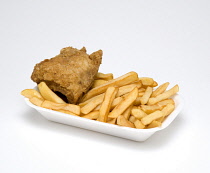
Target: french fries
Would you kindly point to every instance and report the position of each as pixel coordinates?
(127, 112)
(112, 121)
(36, 101)
(151, 117)
(127, 88)
(124, 104)
(120, 81)
(48, 94)
(146, 95)
(160, 89)
(138, 113)
(98, 82)
(108, 76)
(29, 93)
(164, 95)
(132, 119)
(92, 115)
(122, 121)
(67, 112)
(129, 101)
(154, 124)
(106, 104)
(148, 109)
(61, 106)
(147, 81)
(138, 124)
(92, 104)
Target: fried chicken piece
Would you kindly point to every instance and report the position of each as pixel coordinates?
(71, 72)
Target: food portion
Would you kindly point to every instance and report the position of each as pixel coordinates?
(121, 81)
(129, 101)
(70, 73)
(70, 83)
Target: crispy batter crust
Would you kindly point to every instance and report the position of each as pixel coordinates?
(70, 73)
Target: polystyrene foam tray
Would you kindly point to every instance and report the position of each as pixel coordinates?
(110, 129)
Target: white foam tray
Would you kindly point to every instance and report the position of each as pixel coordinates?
(110, 129)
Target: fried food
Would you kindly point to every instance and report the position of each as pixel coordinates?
(151, 117)
(164, 95)
(29, 93)
(160, 89)
(92, 104)
(124, 104)
(36, 101)
(106, 104)
(92, 115)
(70, 73)
(125, 101)
(98, 82)
(61, 106)
(146, 95)
(108, 76)
(122, 121)
(120, 81)
(48, 94)
(138, 113)
(138, 124)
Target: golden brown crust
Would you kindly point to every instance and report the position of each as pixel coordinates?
(70, 73)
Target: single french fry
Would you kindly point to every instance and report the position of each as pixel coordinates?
(142, 90)
(138, 113)
(151, 117)
(160, 89)
(112, 121)
(154, 84)
(120, 81)
(128, 88)
(132, 119)
(161, 119)
(98, 82)
(148, 109)
(154, 124)
(29, 93)
(97, 108)
(125, 95)
(92, 104)
(141, 94)
(61, 106)
(137, 102)
(67, 112)
(168, 109)
(127, 112)
(115, 102)
(165, 102)
(147, 81)
(124, 104)
(164, 95)
(91, 99)
(48, 94)
(36, 101)
(92, 115)
(108, 76)
(138, 124)
(106, 104)
(146, 96)
(122, 121)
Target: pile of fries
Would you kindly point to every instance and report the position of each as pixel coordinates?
(129, 100)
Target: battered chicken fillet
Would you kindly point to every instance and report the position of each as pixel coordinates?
(71, 72)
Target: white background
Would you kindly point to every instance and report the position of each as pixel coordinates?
(166, 40)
